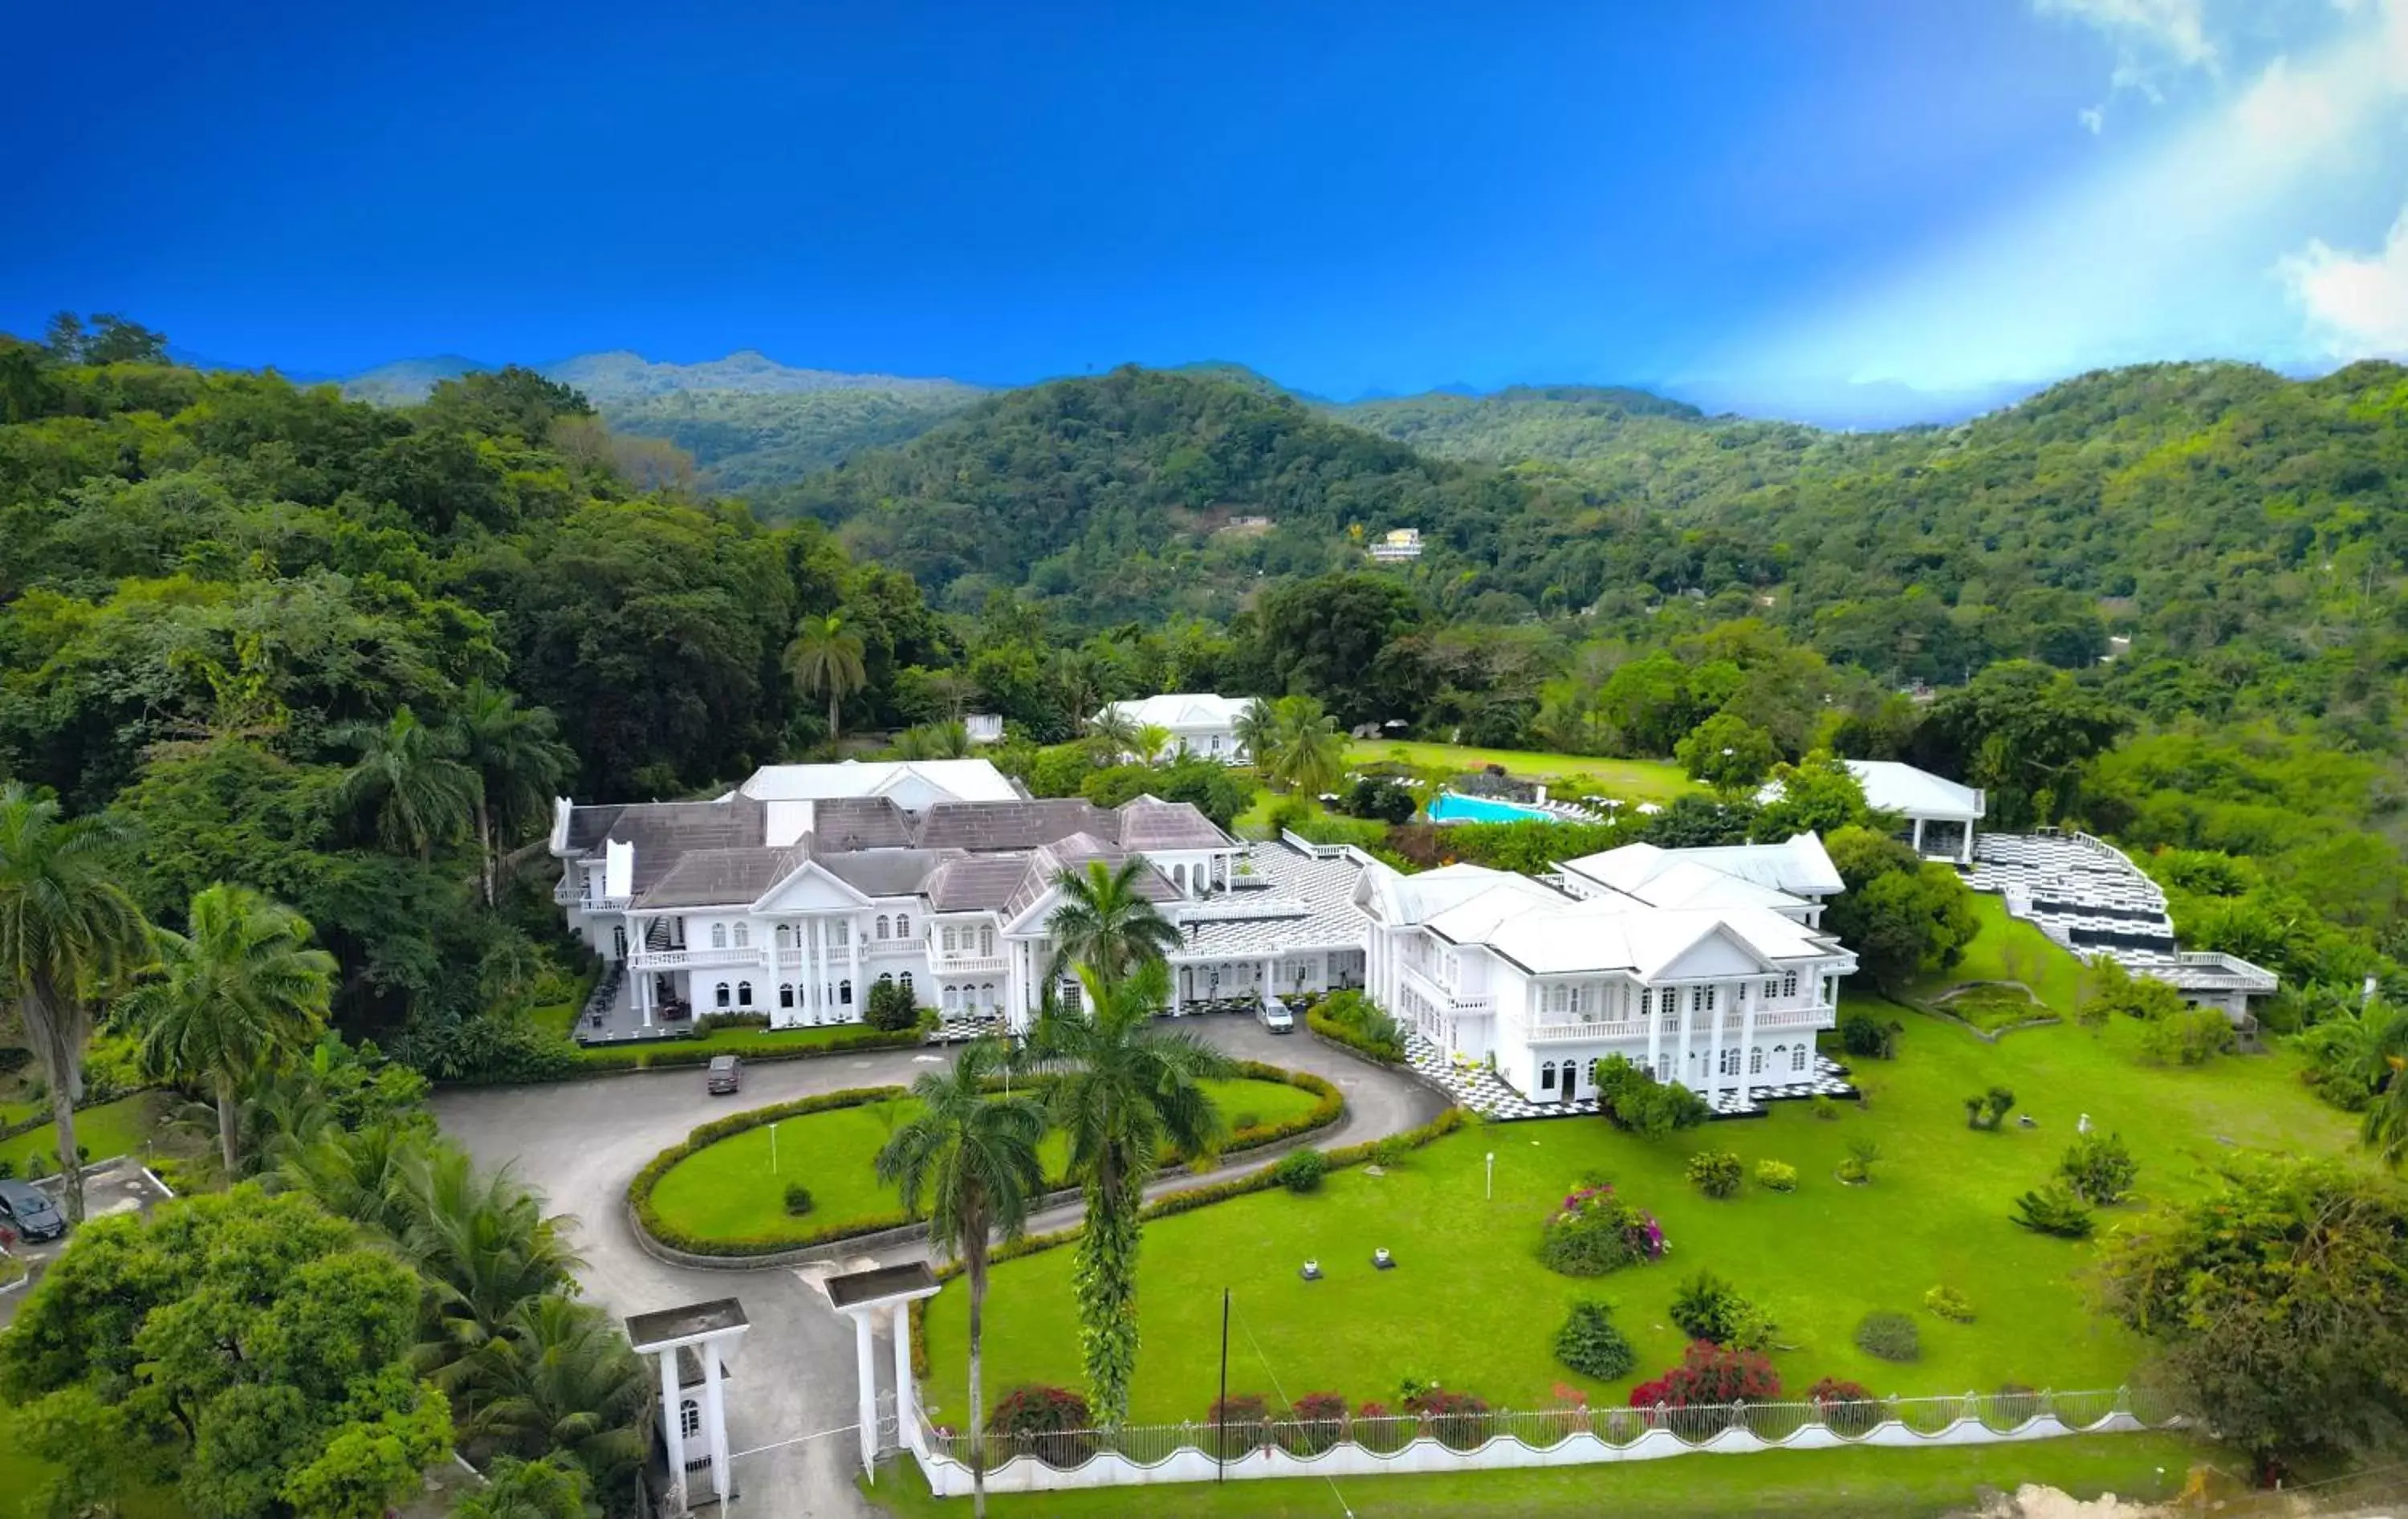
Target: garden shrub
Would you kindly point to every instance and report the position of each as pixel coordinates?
(1715, 1173)
(1890, 1337)
(1776, 1176)
(1596, 1231)
(1384, 800)
(2054, 1209)
(1589, 1343)
(1049, 1422)
(1361, 1025)
(1989, 1109)
(1390, 1153)
(2192, 1036)
(1236, 1425)
(891, 1008)
(1459, 1420)
(1949, 1303)
(1301, 1170)
(1846, 1408)
(1313, 1424)
(798, 1199)
(1711, 1374)
(711, 1022)
(2099, 1168)
(1377, 1427)
(1864, 1035)
(1823, 1108)
(1858, 1166)
(1631, 1098)
(1706, 1307)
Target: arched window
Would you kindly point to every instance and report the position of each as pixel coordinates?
(952, 999)
(744, 993)
(785, 936)
(719, 936)
(907, 983)
(882, 925)
(844, 934)
(720, 995)
(1797, 1058)
(951, 938)
(902, 925)
(786, 995)
(1646, 1001)
(986, 940)
(1755, 1062)
(886, 978)
(743, 936)
(844, 992)
(689, 1418)
(1547, 1077)
(987, 997)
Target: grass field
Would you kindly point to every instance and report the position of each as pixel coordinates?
(735, 1188)
(1857, 1483)
(1471, 1307)
(2011, 949)
(112, 1129)
(1643, 780)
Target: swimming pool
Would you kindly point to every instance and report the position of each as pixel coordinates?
(1454, 807)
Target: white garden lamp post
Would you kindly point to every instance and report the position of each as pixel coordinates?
(1492, 1176)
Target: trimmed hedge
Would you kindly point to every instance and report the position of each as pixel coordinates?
(695, 1049)
(1326, 1111)
(1338, 1033)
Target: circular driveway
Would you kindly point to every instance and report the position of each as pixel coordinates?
(580, 1143)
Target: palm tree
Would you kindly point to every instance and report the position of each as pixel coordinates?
(1112, 733)
(518, 759)
(1308, 752)
(1078, 680)
(562, 1378)
(2353, 1043)
(66, 929)
(230, 999)
(408, 772)
(1153, 742)
(483, 1243)
(1257, 733)
(552, 1488)
(824, 659)
(1105, 924)
(1127, 1088)
(364, 1175)
(972, 1156)
(934, 741)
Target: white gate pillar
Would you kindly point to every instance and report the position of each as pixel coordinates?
(709, 1331)
(859, 1296)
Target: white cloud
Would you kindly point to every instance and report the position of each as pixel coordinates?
(2175, 29)
(2291, 111)
(2093, 119)
(2356, 303)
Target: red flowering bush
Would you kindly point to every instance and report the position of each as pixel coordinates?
(1694, 1398)
(1236, 1425)
(1312, 1425)
(1049, 1422)
(1459, 1420)
(1378, 1428)
(1847, 1408)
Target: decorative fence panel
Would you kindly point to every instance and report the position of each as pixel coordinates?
(1351, 1447)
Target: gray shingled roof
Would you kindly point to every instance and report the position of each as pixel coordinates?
(711, 877)
(884, 872)
(850, 822)
(986, 826)
(1149, 823)
(664, 832)
(975, 882)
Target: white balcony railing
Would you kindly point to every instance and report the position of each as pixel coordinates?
(568, 889)
(693, 959)
(891, 947)
(1553, 1032)
(967, 964)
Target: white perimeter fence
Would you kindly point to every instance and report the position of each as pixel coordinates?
(1347, 1446)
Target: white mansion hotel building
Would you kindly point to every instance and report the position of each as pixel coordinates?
(794, 894)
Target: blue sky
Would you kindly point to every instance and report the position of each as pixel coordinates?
(1779, 207)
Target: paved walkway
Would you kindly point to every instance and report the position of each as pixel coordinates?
(581, 1141)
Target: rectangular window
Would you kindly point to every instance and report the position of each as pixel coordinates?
(844, 934)
(950, 945)
(1789, 984)
(986, 941)
(1647, 1002)
(1771, 989)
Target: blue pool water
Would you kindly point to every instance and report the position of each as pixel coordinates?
(1454, 807)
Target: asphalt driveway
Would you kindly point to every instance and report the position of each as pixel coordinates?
(792, 1397)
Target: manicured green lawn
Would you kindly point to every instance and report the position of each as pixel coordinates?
(1471, 1307)
(735, 1187)
(1854, 1484)
(2009, 949)
(1644, 780)
(113, 1129)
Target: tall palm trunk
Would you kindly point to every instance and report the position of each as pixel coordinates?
(974, 1261)
(48, 1029)
(834, 699)
(228, 1106)
(485, 849)
(1105, 1277)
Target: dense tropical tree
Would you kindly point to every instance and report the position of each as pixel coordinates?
(234, 997)
(554, 1488)
(1728, 753)
(825, 660)
(948, 739)
(1104, 921)
(364, 1175)
(561, 1378)
(518, 759)
(1112, 733)
(66, 930)
(1153, 743)
(484, 1245)
(970, 1157)
(409, 775)
(1126, 1089)
(1257, 732)
(2354, 1045)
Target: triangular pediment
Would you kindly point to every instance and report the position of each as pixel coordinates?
(810, 888)
(1717, 953)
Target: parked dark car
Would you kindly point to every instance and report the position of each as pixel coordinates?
(30, 1211)
(726, 1075)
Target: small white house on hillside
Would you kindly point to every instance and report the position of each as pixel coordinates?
(1941, 816)
(1203, 724)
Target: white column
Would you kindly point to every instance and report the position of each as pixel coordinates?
(904, 1400)
(673, 1417)
(860, 993)
(1917, 836)
(1688, 1017)
(866, 1356)
(714, 1421)
(1654, 1034)
(1965, 844)
(1747, 1054)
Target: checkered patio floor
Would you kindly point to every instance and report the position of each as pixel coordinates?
(1483, 1091)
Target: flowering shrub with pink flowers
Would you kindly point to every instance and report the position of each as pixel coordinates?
(1596, 1231)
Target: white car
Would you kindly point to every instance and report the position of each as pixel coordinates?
(1275, 1016)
